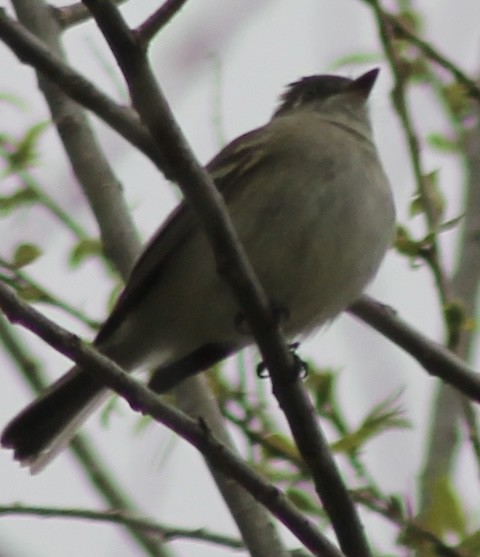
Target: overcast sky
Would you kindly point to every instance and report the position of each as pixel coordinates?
(222, 65)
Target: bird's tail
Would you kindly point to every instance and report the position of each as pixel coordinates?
(40, 431)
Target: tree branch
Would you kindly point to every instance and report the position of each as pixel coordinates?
(233, 265)
(251, 518)
(118, 233)
(430, 52)
(73, 14)
(94, 468)
(434, 358)
(143, 400)
(166, 533)
(127, 124)
(158, 20)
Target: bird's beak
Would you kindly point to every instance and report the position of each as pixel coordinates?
(364, 84)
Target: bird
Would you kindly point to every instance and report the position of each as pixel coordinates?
(313, 209)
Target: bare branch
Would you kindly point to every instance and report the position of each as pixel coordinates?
(255, 522)
(157, 21)
(434, 358)
(428, 50)
(32, 51)
(232, 263)
(143, 400)
(94, 468)
(118, 233)
(165, 532)
(73, 14)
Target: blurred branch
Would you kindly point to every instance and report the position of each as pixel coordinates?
(142, 399)
(20, 281)
(432, 256)
(118, 233)
(68, 16)
(430, 52)
(157, 21)
(101, 187)
(164, 532)
(30, 50)
(442, 450)
(255, 522)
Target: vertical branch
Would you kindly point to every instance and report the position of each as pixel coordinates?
(463, 287)
(239, 275)
(99, 183)
(399, 95)
(447, 410)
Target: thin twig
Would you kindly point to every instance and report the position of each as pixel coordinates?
(432, 256)
(89, 163)
(433, 54)
(150, 527)
(19, 280)
(44, 199)
(30, 50)
(157, 21)
(73, 14)
(252, 519)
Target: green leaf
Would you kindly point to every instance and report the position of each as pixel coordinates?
(357, 58)
(91, 247)
(405, 244)
(142, 423)
(110, 408)
(431, 197)
(25, 153)
(386, 415)
(457, 98)
(23, 196)
(282, 444)
(443, 143)
(302, 500)
(14, 100)
(322, 385)
(470, 545)
(25, 254)
(450, 224)
(444, 513)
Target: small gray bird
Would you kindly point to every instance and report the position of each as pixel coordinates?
(313, 209)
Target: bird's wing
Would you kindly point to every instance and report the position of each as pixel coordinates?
(231, 164)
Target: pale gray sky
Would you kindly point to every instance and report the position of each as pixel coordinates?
(257, 47)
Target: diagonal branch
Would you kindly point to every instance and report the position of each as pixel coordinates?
(158, 20)
(127, 124)
(235, 268)
(142, 399)
(435, 358)
(251, 518)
